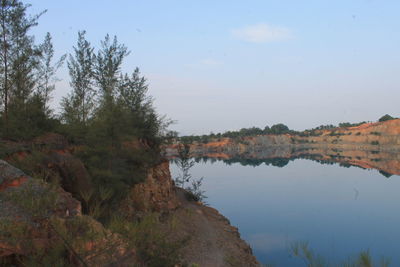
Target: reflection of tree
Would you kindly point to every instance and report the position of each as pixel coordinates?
(386, 174)
(257, 160)
(277, 162)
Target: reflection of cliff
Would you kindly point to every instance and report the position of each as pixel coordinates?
(370, 145)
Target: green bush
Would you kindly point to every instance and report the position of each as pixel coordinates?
(386, 117)
(154, 241)
(363, 259)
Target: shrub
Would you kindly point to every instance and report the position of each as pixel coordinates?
(153, 240)
(363, 259)
(386, 117)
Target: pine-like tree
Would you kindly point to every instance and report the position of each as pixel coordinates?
(133, 93)
(78, 106)
(19, 59)
(142, 119)
(46, 71)
(108, 63)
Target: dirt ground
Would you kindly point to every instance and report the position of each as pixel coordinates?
(212, 242)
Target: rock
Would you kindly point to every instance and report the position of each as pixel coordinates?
(212, 240)
(74, 178)
(51, 141)
(51, 154)
(10, 176)
(37, 221)
(156, 194)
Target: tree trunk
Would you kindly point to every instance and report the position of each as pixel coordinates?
(5, 88)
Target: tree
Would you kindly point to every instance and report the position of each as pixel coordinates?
(142, 120)
(47, 70)
(184, 162)
(107, 68)
(133, 92)
(78, 105)
(18, 62)
(266, 130)
(279, 129)
(386, 117)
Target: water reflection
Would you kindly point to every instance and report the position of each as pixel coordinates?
(303, 196)
(387, 164)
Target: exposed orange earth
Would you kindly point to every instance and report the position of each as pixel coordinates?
(369, 145)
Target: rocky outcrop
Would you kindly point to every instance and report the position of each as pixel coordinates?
(211, 240)
(156, 194)
(382, 136)
(50, 156)
(43, 223)
(69, 170)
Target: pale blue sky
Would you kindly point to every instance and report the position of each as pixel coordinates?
(222, 65)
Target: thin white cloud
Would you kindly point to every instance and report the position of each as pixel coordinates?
(262, 33)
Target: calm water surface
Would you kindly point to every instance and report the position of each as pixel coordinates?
(338, 211)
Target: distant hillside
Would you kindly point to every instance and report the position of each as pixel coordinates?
(369, 145)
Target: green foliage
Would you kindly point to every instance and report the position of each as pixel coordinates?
(35, 198)
(302, 251)
(35, 201)
(155, 242)
(325, 127)
(185, 179)
(279, 129)
(35, 204)
(79, 104)
(364, 259)
(375, 143)
(312, 132)
(348, 124)
(253, 131)
(110, 115)
(117, 170)
(24, 110)
(277, 162)
(334, 133)
(386, 117)
(376, 133)
(273, 130)
(386, 174)
(28, 119)
(46, 71)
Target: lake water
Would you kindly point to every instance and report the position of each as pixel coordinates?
(339, 211)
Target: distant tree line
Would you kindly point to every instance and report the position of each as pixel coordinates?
(276, 129)
(279, 128)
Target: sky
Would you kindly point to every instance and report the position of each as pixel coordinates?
(223, 65)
